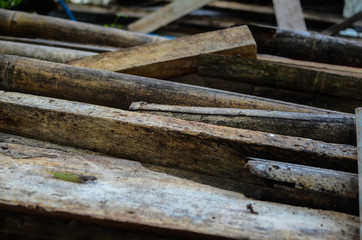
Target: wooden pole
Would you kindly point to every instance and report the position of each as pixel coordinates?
(174, 57)
(272, 74)
(135, 198)
(289, 14)
(166, 14)
(52, 54)
(198, 147)
(120, 90)
(307, 46)
(359, 153)
(23, 24)
(327, 128)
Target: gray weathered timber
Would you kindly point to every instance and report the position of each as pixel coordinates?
(193, 146)
(52, 54)
(323, 127)
(289, 14)
(131, 197)
(307, 46)
(120, 90)
(359, 153)
(23, 24)
(266, 190)
(340, 183)
(277, 75)
(61, 44)
(310, 99)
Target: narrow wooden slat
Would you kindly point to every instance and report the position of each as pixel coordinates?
(133, 198)
(174, 57)
(61, 44)
(199, 147)
(334, 29)
(23, 24)
(52, 54)
(359, 153)
(317, 179)
(327, 128)
(277, 75)
(167, 14)
(120, 90)
(289, 14)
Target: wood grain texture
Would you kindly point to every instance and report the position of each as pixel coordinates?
(52, 54)
(289, 14)
(317, 179)
(327, 128)
(316, 100)
(272, 74)
(23, 24)
(192, 146)
(174, 57)
(307, 46)
(120, 90)
(258, 188)
(134, 198)
(166, 14)
(359, 153)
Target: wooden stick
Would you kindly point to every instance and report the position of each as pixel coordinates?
(167, 14)
(52, 54)
(120, 90)
(199, 147)
(29, 25)
(359, 153)
(289, 14)
(259, 188)
(327, 128)
(131, 197)
(61, 44)
(334, 29)
(316, 100)
(270, 74)
(307, 46)
(174, 57)
(340, 183)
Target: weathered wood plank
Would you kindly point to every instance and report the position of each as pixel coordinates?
(52, 54)
(289, 14)
(260, 189)
(272, 74)
(23, 24)
(317, 179)
(316, 100)
(120, 90)
(192, 146)
(307, 46)
(359, 153)
(61, 44)
(133, 198)
(327, 128)
(166, 14)
(174, 57)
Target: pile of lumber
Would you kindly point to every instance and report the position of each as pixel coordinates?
(241, 132)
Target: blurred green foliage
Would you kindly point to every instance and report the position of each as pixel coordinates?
(9, 3)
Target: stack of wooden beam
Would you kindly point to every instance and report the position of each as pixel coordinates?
(107, 132)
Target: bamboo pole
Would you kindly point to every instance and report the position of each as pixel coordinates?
(120, 90)
(23, 24)
(327, 128)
